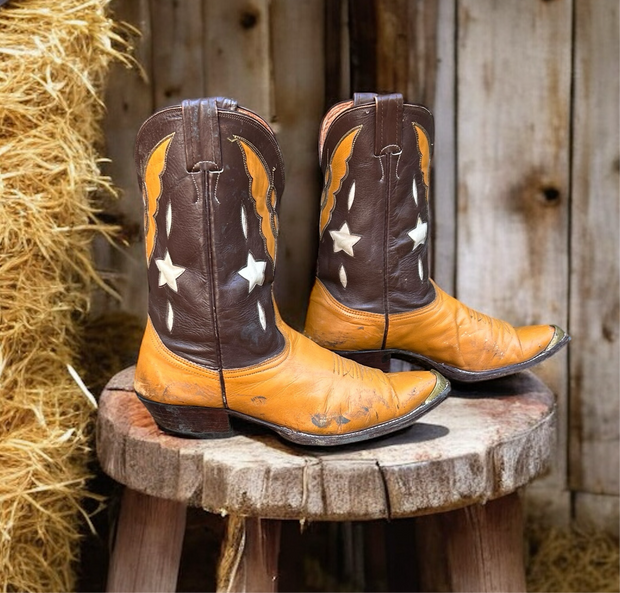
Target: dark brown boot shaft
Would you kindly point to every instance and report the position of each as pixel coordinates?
(374, 223)
(211, 175)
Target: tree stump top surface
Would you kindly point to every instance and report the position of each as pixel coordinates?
(483, 442)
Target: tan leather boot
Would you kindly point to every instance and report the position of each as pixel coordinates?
(373, 294)
(215, 346)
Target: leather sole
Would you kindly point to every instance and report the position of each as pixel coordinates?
(208, 423)
(380, 359)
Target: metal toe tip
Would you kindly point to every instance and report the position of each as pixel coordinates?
(442, 386)
(559, 337)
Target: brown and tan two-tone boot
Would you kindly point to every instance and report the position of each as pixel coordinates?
(215, 346)
(373, 297)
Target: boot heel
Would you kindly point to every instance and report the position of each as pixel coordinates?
(189, 421)
(378, 359)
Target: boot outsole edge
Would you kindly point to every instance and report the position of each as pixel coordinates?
(381, 359)
(208, 423)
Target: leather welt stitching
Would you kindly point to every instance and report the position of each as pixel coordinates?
(436, 302)
(347, 310)
(383, 118)
(181, 363)
(217, 180)
(379, 157)
(269, 364)
(198, 193)
(214, 132)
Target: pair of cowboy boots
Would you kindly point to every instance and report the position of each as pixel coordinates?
(215, 345)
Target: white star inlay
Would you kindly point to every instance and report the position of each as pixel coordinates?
(420, 269)
(168, 272)
(344, 240)
(254, 272)
(415, 191)
(418, 235)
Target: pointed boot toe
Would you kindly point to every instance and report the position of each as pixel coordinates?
(537, 340)
(373, 294)
(312, 396)
(215, 347)
(429, 389)
(466, 345)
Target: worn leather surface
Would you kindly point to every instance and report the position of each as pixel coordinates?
(165, 377)
(338, 327)
(304, 387)
(374, 197)
(198, 207)
(445, 331)
(449, 331)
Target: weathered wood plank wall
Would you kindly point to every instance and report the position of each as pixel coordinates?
(526, 171)
(594, 285)
(513, 152)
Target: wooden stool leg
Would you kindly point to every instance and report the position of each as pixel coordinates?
(485, 546)
(431, 556)
(147, 550)
(249, 560)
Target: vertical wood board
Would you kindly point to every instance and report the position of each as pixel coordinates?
(414, 51)
(177, 51)
(513, 133)
(423, 48)
(547, 504)
(443, 191)
(598, 511)
(299, 103)
(363, 46)
(237, 60)
(595, 284)
(337, 52)
(393, 46)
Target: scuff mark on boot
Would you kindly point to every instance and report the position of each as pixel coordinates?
(321, 420)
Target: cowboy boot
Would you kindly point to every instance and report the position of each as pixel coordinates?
(373, 295)
(215, 345)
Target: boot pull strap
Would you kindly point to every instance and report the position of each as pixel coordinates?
(388, 122)
(202, 131)
(363, 98)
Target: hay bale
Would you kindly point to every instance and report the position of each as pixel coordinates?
(54, 57)
(574, 559)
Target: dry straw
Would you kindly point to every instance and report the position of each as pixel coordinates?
(573, 559)
(54, 58)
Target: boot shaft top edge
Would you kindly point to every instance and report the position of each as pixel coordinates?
(388, 113)
(199, 119)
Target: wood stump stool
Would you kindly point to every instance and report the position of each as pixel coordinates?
(458, 469)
